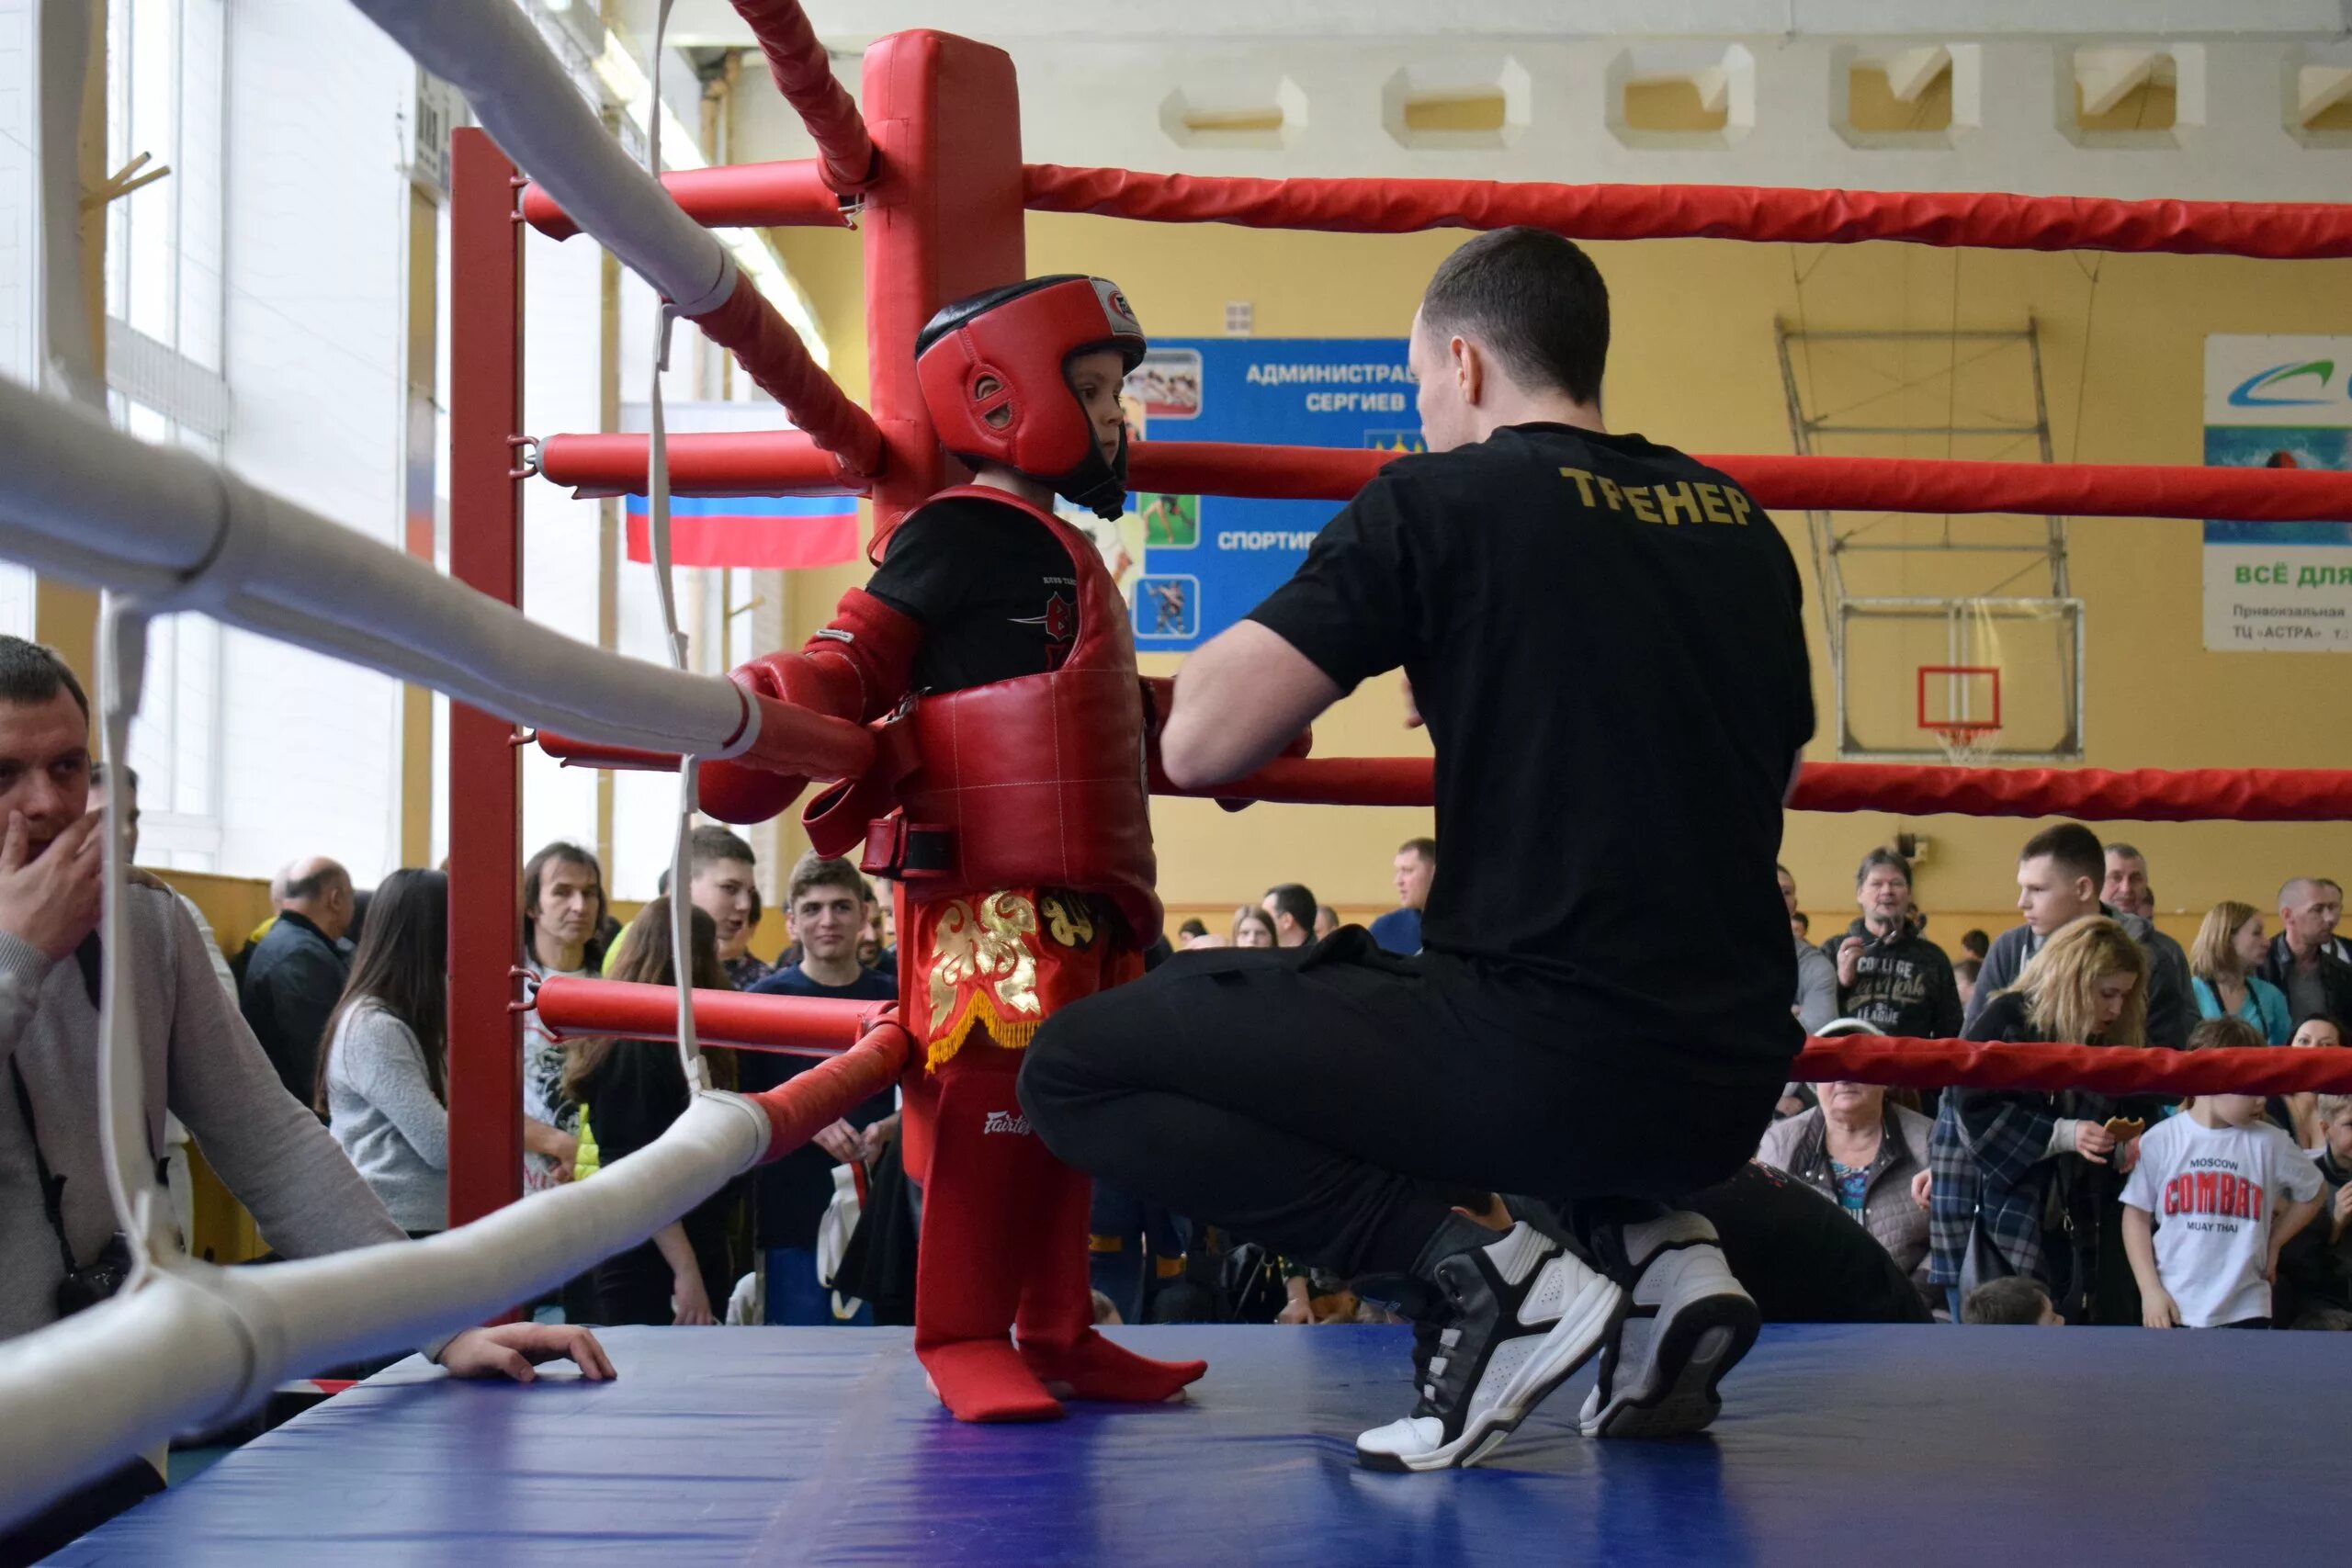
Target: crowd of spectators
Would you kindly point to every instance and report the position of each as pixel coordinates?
(2026, 1207)
(1988, 1206)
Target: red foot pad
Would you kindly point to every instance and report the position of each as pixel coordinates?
(1096, 1368)
(979, 1210)
(1057, 1316)
(986, 1379)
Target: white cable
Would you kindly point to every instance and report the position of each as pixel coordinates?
(123, 1131)
(682, 929)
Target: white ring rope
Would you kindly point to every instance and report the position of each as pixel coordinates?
(524, 97)
(189, 1344)
(84, 502)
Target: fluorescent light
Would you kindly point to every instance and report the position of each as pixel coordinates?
(626, 80)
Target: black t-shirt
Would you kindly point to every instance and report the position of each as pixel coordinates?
(995, 591)
(1605, 637)
(794, 1191)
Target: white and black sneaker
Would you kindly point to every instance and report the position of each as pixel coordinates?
(1689, 1322)
(1525, 1313)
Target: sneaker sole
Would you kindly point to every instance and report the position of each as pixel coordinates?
(1579, 1334)
(1704, 1339)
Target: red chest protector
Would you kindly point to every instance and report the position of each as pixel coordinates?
(1035, 781)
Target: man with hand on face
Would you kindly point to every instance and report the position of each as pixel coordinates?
(826, 901)
(2060, 874)
(1605, 639)
(57, 1224)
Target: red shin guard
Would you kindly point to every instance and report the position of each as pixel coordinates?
(1057, 1314)
(977, 1213)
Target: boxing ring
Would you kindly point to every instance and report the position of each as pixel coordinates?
(754, 1445)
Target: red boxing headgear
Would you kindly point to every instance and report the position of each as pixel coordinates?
(992, 371)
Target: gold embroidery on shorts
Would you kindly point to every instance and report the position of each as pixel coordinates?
(989, 948)
(1067, 919)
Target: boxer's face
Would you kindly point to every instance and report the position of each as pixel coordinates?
(1096, 379)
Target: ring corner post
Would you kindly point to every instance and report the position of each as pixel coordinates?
(485, 1074)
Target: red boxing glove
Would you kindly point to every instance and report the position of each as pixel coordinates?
(857, 668)
(745, 796)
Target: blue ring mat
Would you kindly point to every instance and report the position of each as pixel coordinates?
(1865, 1444)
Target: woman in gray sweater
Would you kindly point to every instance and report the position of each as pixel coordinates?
(383, 1077)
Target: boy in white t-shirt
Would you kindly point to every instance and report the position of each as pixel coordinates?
(2208, 1183)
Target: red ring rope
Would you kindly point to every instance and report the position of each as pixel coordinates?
(2279, 229)
(1816, 483)
(737, 196)
(804, 74)
(2141, 795)
(2107, 1069)
(575, 1007)
(778, 463)
(810, 1100)
(779, 362)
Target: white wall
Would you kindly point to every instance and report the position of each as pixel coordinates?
(1100, 100)
(316, 249)
(562, 368)
(20, 232)
(19, 240)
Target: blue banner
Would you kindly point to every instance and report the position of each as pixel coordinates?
(1201, 563)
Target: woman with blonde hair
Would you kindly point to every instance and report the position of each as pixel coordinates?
(2222, 960)
(1997, 1153)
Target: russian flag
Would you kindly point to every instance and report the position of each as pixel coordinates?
(756, 531)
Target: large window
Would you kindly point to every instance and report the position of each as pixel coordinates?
(165, 309)
(163, 240)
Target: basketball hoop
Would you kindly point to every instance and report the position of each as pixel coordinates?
(1964, 689)
(1966, 745)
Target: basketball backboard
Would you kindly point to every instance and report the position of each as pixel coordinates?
(1987, 678)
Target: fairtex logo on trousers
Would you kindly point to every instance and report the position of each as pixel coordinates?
(1011, 1122)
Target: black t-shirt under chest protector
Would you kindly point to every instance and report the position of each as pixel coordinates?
(993, 589)
(1605, 637)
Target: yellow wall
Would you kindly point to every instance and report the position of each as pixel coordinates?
(232, 906)
(1694, 365)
